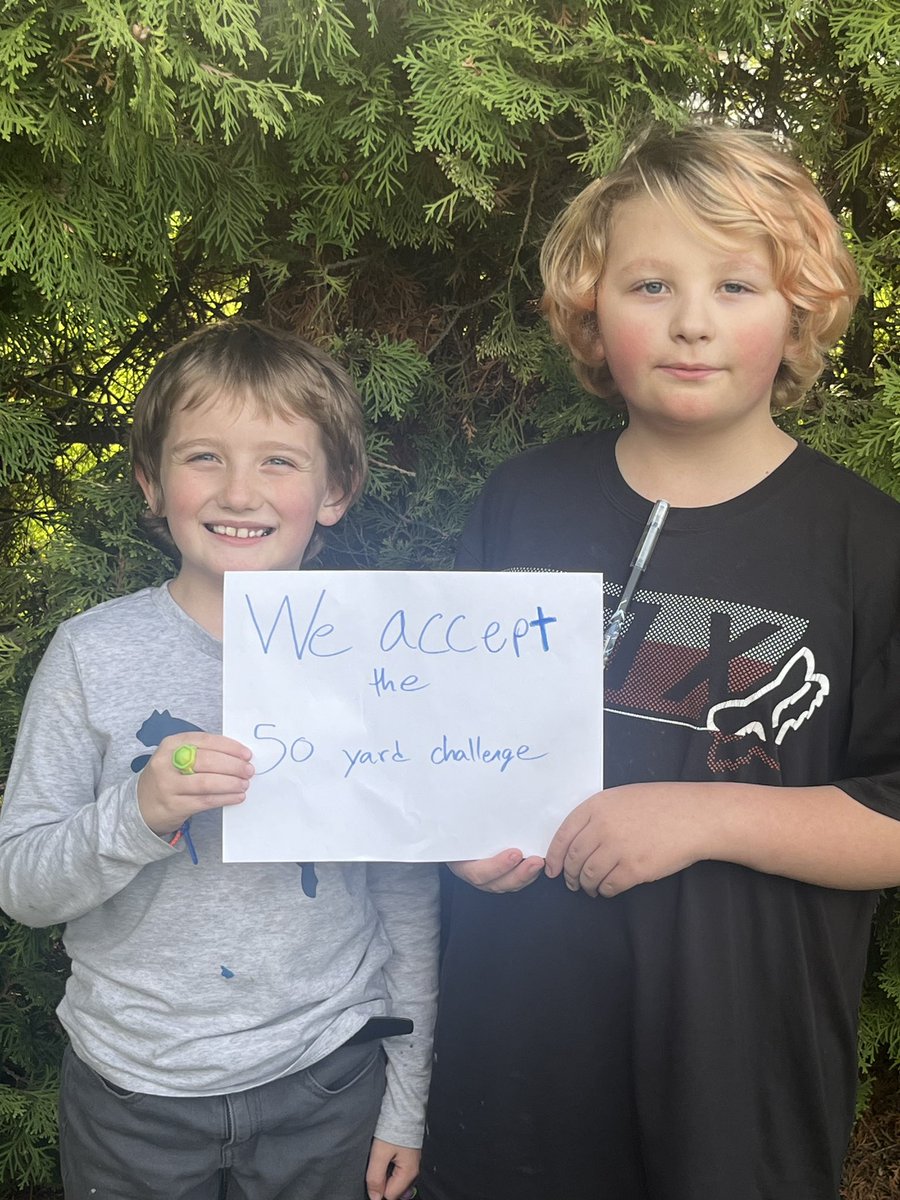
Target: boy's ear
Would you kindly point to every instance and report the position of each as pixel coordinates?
(152, 493)
(590, 340)
(794, 334)
(333, 507)
(594, 352)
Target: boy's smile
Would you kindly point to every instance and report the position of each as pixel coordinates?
(240, 531)
(693, 332)
(241, 491)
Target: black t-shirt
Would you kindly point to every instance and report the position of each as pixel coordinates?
(694, 1038)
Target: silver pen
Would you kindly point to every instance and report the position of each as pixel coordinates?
(645, 548)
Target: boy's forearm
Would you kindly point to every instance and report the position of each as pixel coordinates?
(64, 847)
(640, 832)
(55, 868)
(820, 835)
(406, 896)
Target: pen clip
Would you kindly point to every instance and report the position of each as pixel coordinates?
(638, 565)
(652, 530)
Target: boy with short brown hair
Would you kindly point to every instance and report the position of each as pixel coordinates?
(225, 1019)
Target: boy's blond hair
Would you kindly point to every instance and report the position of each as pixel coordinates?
(726, 184)
(242, 361)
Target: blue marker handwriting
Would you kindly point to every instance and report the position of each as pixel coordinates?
(300, 749)
(434, 634)
(473, 751)
(382, 683)
(312, 634)
(440, 634)
(374, 758)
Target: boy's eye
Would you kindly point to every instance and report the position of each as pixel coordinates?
(202, 456)
(277, 461)
(651, 287)
(732, 288)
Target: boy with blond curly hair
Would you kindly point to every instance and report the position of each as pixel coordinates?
(665, 1006)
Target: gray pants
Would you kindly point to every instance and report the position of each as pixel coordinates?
(303, 1137)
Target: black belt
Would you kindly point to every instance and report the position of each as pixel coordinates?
(380, 1027)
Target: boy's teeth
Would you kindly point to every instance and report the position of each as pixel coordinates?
(233, 531)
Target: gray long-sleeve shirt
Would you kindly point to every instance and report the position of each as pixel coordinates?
(195, 979)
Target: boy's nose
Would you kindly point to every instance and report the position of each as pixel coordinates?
(692, 319)
(239, 490)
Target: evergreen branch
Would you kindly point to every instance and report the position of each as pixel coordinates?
(386, 466)
(514, 265)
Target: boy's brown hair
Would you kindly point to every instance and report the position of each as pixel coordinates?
(240, 361)
(726, 184)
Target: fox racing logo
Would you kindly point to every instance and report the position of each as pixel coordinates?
(745, 728)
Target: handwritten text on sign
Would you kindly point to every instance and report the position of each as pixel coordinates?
(410, 716)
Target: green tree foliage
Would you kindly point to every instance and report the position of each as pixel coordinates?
(378, 174)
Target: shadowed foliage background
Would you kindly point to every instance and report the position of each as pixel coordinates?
(378, 176)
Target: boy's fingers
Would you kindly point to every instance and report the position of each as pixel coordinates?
(520, 876)
(203, 782)
(589, 874)
(204, 741)
(211, 762)
(214, 791)
(612, 882)
(482, 871)
(561, 846)
(504, 872)
(187, 757)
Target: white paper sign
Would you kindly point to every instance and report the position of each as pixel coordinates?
(410, 716)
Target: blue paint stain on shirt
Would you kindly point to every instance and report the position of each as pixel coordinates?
(157, 726)
(309, 880)
(226, 974)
